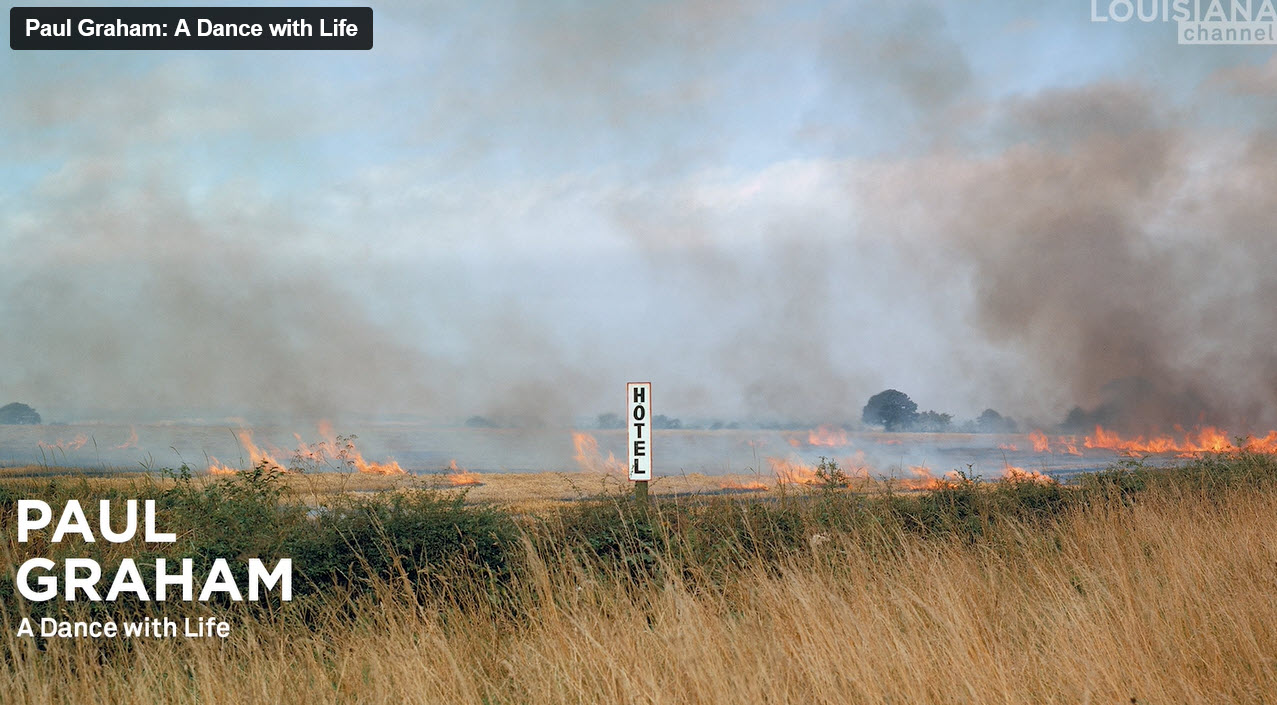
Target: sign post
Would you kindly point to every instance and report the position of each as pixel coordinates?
(638, 397)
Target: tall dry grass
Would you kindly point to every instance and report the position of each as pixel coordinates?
(1171, 599)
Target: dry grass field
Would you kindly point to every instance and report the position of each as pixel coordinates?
(521, 491)
(1167, 594)
(527, 491)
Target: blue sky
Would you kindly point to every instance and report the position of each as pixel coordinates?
(771, 210)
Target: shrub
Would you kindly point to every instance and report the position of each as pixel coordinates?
(613, 532)
(421, 540)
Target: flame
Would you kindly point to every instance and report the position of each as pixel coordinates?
(1008, 446)
(1207, 439)
(752, 485)
(1063, 444)
(827, 436)
(333, 450)
(824, 436)
(1013, 473)
(131, 442)
(390, 467)
(344, 451)
(589, 459)
(796, 472)
(922, 478)
(1184, 444)
(1041, 444)
(216, 468)
(790, 472)
(73, 444)
(460, 477)
(256, 456)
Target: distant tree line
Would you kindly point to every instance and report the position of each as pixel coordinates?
(659, 421)
(19, 414)
(891, 410)
(894, 411)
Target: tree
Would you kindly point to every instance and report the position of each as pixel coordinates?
(606, 421)
(991, 421)
(664, 422)
(891, 409)
(933, 422)
(17, 413)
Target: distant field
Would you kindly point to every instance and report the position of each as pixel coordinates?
(425, 449)
(517, 490)
(522, 490)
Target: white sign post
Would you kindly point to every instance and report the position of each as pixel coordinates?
(638, 396)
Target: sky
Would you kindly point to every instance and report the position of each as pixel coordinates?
(770, 210)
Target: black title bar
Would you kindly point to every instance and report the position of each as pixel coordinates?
(190, 28)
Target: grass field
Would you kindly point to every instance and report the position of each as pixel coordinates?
(1132, 585)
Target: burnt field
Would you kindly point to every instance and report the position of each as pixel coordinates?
(764, 456)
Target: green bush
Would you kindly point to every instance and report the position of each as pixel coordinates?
(1026, 500)
(721, 536)
(235, 518)
(421, 540)
(958, 507)
(613, 532)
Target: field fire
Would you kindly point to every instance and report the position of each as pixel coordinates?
(332, 453)
(912, 459)
(460, 477)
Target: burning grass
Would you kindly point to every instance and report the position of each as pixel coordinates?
(590, 460)
(460, 477)
(331, 453)
(1112, 589)
(1183, 443)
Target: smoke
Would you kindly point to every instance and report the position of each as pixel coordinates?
(135, 301)
(1122, 255)
(769, 212)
